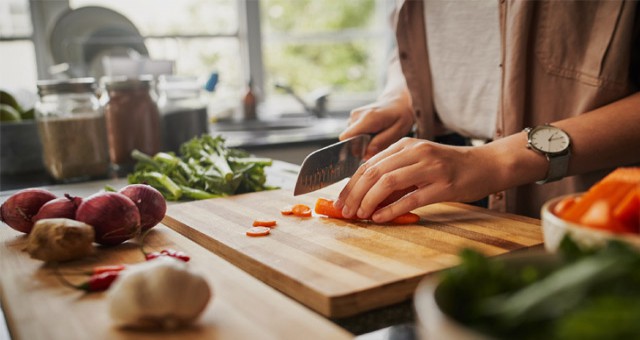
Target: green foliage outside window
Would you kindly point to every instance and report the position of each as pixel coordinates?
(306, 57)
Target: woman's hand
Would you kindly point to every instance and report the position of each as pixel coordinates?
(388, 119)
(427, 172)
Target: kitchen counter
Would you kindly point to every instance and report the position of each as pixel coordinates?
(26, 284)
(285, 139)
(377, 264)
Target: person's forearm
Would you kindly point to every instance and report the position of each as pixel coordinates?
(606, 137)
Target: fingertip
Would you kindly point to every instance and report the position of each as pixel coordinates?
(343, 135)
(338, 204)
(346, 212)
(379, 217)
(361, 214)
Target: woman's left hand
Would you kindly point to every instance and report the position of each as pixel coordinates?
(425, 172)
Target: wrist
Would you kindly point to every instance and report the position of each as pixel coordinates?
(514, 163)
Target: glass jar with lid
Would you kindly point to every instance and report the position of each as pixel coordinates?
(183, 110)
(72, 129)
(133, 118)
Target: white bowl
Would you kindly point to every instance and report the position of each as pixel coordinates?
(554, 229)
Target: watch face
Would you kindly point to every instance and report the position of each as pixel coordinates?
(549, 139)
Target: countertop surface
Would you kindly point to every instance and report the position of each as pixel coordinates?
(393, 322)
(253, 135)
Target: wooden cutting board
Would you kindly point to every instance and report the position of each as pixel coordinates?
(342, 268)
(38, 306)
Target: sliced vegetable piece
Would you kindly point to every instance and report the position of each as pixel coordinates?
(286, 211)
(301, 210)
(264, 223)
(325, 207)
(564, 205)
(610, 191)
(600, 216)
(610, 204)
(258, 231)
(628, 211)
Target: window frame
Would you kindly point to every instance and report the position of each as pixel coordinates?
(44, 14)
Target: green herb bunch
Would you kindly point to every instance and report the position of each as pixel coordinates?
(205, 168)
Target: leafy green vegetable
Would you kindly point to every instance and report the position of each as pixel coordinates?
(205, 168)
(581, 294)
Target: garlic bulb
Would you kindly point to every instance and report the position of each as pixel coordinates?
(161, 292)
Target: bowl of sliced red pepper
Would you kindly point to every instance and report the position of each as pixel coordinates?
(610, 209)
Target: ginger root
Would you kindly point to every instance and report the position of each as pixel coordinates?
(60, 239)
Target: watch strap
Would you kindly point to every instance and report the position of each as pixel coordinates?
(558, 167)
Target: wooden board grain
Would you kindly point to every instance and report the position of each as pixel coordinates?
(341, 268)
(38, 306)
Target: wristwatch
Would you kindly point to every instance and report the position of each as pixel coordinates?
(553, 143)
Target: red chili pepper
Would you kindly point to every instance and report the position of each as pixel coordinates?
(109, 268)
(99, 282)
(168, 252)
(151, 256)
(180, 255)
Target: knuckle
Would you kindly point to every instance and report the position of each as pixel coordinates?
(389, 181)
(370, 172)
(424, 148)
(362, 169)
(412, 201)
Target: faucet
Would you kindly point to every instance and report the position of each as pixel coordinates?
(320, 98)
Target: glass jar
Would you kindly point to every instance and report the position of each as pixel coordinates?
(133, 119)
(72, 129)
(183, 111)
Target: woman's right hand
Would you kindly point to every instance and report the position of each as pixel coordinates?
(388, 120)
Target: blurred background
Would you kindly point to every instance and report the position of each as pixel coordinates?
(309, 46)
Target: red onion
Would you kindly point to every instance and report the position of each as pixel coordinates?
(150, 203)
(17, 211)
(61, 207)
(114, 217)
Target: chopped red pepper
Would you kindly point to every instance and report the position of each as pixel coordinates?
(168, 252)
(108, 268)
(99, 282)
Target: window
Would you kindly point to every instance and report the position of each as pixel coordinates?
(310, 45)
(305, 44)
(17, 53)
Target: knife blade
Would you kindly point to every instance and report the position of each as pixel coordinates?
(331, 164)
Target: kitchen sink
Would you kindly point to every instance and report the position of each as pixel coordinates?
(280, 130)
(259, 125)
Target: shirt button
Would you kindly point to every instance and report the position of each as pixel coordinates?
(404, 55)
(499, 196)
(417, 111)
(498, 132)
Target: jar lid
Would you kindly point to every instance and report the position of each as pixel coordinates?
(126, 83)
(75, 85)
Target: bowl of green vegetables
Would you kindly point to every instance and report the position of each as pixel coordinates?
(576, 293)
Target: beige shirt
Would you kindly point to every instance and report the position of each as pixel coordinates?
(546, 76)
(464, 40)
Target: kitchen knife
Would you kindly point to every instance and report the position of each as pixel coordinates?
(331, 164)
